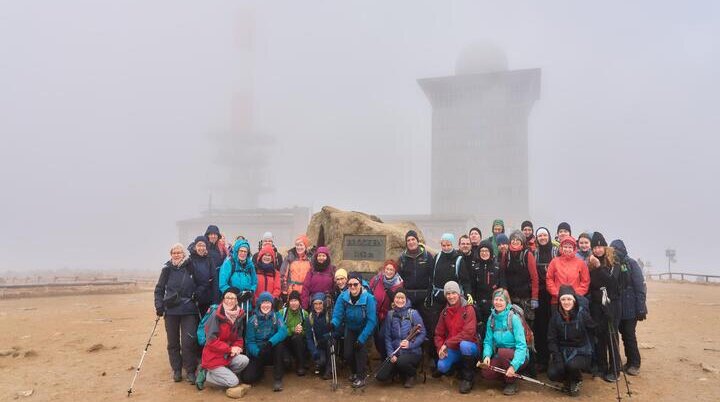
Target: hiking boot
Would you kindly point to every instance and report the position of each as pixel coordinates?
(358, 383)
(409, 382)
(352, 377)
(277, 386)
(575, 388)
(327, 374)
(190, 377)
(436, 374)
(510, 389)
(300, 372)
(610, 377)
(566, 387)
(177, 375)
(632, 370)
(238, 391)
(465, 386)
(200, 379)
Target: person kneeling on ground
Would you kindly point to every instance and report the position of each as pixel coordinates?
(266, 332)
(456, 336)
(318, 336)
(355, 309)
(295, 322)
(502, 347)
(569, 341)
(222, 358)
(400, 320)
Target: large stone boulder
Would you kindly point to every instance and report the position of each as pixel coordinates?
(358, 241)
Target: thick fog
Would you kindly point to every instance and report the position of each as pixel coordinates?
(114, 116)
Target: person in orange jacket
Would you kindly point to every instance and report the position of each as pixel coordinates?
(567, 269)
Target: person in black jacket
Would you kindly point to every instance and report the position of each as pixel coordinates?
(605, 307)
(204, 272)
(217, 251)
(175, 299)
(634, 309)
(569, 341)
(486, 277)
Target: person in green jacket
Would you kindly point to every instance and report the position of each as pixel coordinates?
(296, 321)
(504, 345)
(498, 226)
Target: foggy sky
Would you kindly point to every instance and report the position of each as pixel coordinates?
(108, 112)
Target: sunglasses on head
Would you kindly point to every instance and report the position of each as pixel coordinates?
(354, 284)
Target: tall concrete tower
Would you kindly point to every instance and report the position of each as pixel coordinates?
(480, 136)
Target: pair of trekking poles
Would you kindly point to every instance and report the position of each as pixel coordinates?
(614, 345)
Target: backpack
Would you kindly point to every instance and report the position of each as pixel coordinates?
(201, 334)
(407, 316)
(457, 272)
(517, 310)
(255, 322)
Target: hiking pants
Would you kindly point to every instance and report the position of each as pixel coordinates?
(406, 365)
(379, 338)
(295, 349)
(540, 328)
(467, 349)
(355, 359)
(181, 333)
(502, 359)
(570, 370)
(227, 376)
(256, 368)
(629, 338)
(607, 344)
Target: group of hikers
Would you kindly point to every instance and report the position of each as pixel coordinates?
(515, 306)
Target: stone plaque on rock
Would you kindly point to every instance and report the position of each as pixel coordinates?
(364, 247)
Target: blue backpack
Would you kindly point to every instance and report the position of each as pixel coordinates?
(201, 336)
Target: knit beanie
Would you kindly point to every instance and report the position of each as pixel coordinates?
(341, 273)
(566, 290)
(451, 287)
(502, 239)
(267, 236)
(476, 230)
(542, 229)
(323, 250)
(355, 275)
(264, 297)
(564, 225)
(318, 296)
(498, 222)
(569, 240)
(411, 233)
(294, 295)
(448, 237)
(266, 249)
(526, 224)
(598, 240)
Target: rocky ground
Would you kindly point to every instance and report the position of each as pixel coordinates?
(85, 348)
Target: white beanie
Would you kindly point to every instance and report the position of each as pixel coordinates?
(451, 286)
(267, 236)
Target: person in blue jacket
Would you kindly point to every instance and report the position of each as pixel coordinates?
(355, 309)
(264, 338)
(238, 271)
(503, 347)
(318, 335)
(400, 320)
(175, 299)
(632, 294)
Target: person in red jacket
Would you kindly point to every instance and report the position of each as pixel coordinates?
(223, 358)
(456, 337)
(268, 278)
(567, 269)
(383, 287)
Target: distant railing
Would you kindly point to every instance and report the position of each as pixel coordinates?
(682, 276)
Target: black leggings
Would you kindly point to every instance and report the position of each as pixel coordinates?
(255, 369)
(406, 365)
(355, 359)
(570, 370)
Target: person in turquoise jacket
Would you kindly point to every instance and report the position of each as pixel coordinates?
(503, 346)
(264, 338)
(238, 271)
(355, 310)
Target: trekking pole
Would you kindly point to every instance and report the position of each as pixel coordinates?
(413, 333)
(613, 341)
(137, 371)
(522, 377)
(606, 307)
(333, 367)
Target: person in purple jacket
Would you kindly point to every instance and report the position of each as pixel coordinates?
(321, 277)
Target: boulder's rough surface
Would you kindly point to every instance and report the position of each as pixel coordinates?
(329, 227)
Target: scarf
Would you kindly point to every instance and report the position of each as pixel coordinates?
(231, 315)
(321, 266)
(267, 269)
(389, 283)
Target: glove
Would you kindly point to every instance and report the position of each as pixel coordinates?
(534, 304)
(470, 300)
(193, 297)
(245, 296)
(357, 345)
(160, 312)
(641, 317)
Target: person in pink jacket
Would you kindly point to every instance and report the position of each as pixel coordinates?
(567, 269)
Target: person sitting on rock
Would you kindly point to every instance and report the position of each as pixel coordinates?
(266, 332)
(456, 337)
(222, 358)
